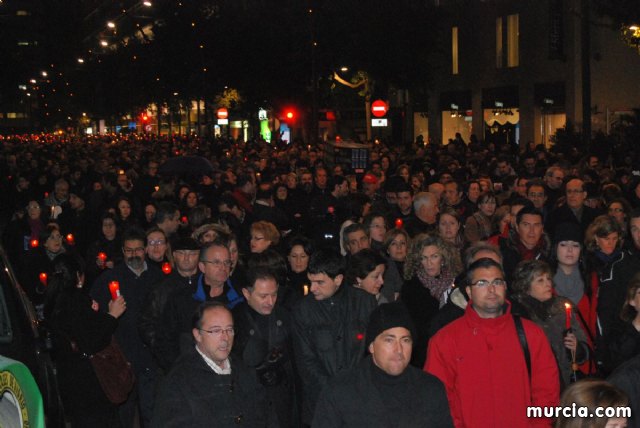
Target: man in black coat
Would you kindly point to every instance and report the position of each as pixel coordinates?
(263, 341)
(207, 387)
(574, 210)
(384, 390)
(328, 326)
(135, 278)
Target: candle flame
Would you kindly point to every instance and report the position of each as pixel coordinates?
(567, 305)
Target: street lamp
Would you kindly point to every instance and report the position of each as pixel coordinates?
(631, 35)
(362, 83)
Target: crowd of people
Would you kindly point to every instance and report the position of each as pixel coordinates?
(267, 285)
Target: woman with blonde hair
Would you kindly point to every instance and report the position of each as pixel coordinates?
(263, 235)
(430, 270)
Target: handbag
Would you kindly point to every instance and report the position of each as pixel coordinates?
(114, 372)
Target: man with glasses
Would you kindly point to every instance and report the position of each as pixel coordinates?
(207, 387)
(212, 284)
(574, 210)
(482, 362)
(135, 278)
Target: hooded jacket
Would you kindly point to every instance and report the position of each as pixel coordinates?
(482, 365)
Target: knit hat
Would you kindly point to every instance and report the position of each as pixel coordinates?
(568, 232)
(185, 243)
(386, 316)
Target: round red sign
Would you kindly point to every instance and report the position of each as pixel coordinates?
(222, 113)
(379, 108)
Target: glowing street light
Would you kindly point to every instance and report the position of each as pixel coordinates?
(80, 60)
(111, 24)
(147, 3)
(44, 74)
(104, 43)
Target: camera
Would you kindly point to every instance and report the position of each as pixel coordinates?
(271, 371)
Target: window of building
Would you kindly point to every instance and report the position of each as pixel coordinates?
(499, 44)
(454, 50)
(513, 34)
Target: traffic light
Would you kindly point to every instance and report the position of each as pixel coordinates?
(288, 115)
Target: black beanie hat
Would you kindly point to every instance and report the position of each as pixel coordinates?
(386, 316)
(185, 243)
(568, 232)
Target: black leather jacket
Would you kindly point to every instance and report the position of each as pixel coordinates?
(328, 337)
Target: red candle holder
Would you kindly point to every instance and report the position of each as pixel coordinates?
(114, 288)
(166, 268)
(43, 278)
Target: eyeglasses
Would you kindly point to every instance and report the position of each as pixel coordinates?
(217, 331)
(483, 283)
(219, 263)
(129, 251)
(157, 242)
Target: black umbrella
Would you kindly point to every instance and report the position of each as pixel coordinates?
(188, 165)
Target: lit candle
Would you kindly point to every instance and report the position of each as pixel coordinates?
(330, 209)
(102, 257)
(43, 278)
(399, 223)
(184, 219)
(34, 243)
(70, 239)
(567, 310)
(166, 268)
(114, 288)
(306, 289)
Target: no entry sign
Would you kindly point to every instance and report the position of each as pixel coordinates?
(379, 108)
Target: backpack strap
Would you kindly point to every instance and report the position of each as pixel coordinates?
(523, 342)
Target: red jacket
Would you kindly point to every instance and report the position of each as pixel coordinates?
(482, 365)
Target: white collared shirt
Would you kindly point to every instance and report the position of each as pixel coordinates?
(224, 370)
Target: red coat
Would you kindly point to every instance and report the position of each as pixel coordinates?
(482, 365)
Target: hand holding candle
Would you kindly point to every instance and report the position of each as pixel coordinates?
(117, 307)
(567, 309)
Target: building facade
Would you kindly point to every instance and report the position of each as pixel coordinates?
(512, 71)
